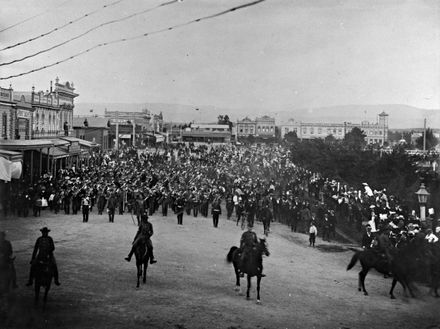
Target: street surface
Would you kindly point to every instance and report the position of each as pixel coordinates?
(192, 286)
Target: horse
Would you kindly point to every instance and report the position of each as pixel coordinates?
(142, 258)
(5, 275)
(403, 265)
(44, 273)
(250, 266)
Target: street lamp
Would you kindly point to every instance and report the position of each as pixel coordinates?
(422, 196)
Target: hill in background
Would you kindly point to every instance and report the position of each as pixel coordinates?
(400, 116)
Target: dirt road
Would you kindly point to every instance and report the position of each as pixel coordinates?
(192, 286)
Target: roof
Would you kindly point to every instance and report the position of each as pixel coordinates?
(29, 144)
(11, 155)
(59, 142)
(56, 153)
(89, 144)
(94, 122)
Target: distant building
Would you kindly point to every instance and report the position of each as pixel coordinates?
(142, 118)
(376, 133)
(92, 129)
(207, 133)
(263, 127)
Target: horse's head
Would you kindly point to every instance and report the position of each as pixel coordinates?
(264, 246)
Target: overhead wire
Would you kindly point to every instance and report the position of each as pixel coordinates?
(32, 17)
(59, 28)
(136, 37)
(87, 32)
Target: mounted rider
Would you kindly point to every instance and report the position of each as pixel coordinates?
(249, 241)
(143, 235)
(43, 252)
(6, 255)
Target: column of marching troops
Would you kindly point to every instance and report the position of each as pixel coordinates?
(190, 179)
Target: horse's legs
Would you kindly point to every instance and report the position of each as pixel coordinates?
(46, 291)
(258, 288)
(37, 292)
(139, 273)
(362, 276)
(144, 279)
(248, 286)
(393, 285)
(237, 279)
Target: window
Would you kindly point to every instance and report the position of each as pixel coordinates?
(271, 128)
(304, 131)
(259, 128)
(319, 131)
(4, 125)
(286, 130)
(312, 131)
(380, 132)
(241, 130)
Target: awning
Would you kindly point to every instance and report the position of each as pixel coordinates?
(87, 144)
(125, 136)
(9, 169)
(24, 145)
(11, 155)
(56, 153)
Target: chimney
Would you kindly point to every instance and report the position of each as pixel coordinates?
(51, 89)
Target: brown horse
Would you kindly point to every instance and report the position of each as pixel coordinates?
(142, 258)
(44, 273)
(251, 266)
(403, 264)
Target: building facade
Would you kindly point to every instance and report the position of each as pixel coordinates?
(7, 114)
(376, 133)
(92, 129)
(263, 127)
(207, 133)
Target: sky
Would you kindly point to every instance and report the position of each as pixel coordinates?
(275, 55)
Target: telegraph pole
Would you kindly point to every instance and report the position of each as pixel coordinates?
(134, 132)
(424, 135)
(117, 131)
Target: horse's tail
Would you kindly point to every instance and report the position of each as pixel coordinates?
(353, 261)
(229, 256)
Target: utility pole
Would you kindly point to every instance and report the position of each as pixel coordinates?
(424, 135)
(134, 132)
(117, 131)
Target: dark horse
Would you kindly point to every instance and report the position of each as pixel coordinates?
(403, 265)
(44, 272)
(5, 275)
(142, 258)
(250, 266)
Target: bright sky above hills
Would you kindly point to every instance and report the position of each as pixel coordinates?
(276, 54)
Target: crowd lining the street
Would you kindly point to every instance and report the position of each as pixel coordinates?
(254, 183)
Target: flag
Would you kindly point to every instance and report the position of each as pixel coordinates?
(91, 110)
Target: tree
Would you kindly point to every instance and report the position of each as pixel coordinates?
(355, 139)
(291, 137)
(431, 140)
(224, 120)
(330, 139)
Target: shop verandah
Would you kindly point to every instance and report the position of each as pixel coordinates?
(45, 156)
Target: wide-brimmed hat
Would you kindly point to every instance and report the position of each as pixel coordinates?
(45, 229)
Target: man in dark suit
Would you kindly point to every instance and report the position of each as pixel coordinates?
(216, 211)
(367, 238)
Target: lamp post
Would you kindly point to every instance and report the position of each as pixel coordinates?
(422, 196)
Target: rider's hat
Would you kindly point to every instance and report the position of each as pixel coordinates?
(45, 230)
